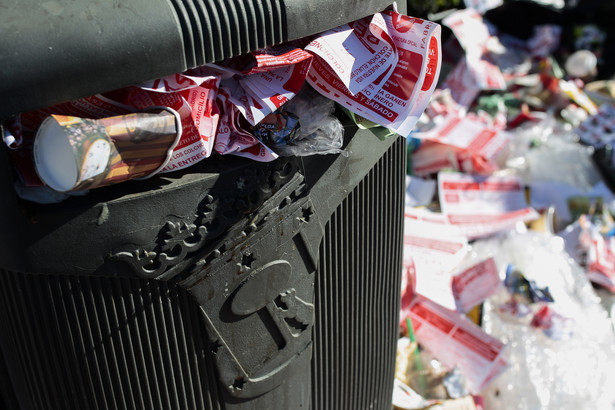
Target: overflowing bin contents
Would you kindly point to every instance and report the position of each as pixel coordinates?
(261, 105)
(508, 253)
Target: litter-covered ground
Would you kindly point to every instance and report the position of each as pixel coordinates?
(509, 256)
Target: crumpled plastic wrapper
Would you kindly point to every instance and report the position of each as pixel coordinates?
(547, 151)
(546, 373)
(309, 127)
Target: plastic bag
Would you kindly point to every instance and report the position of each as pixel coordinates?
(547, 151)
(546, 373)
(317, 132)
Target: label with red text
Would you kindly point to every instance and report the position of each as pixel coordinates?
(435, 248)
(475, 284)
(456, 341)
(383, 68)
(483, 205)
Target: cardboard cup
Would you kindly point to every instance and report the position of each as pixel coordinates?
(72, 153)
(65, 155)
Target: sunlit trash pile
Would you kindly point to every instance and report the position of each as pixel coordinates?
(277, 101)
(509, 249)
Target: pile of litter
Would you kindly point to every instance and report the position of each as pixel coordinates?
(509, 255)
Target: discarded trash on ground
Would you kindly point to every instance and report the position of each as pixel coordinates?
(513, 175)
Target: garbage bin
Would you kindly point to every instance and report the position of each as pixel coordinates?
(230, 285)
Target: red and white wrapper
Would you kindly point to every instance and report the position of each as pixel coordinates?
(253, 87)
(433, 156)
(275, 77)
(383, 68)
(474, 285)
(214, 97)
(465, 144)
(470, 30)
(196, 105)
(481, 206)
(433, 248)
(462, 85)
(456, 341)
(183, 81)
(232, 139)
(474, 72)
(367, 56)
(442, 105)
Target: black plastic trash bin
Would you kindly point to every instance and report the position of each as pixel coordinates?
(231, 285)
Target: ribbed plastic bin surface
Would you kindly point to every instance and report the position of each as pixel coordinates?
(95, 341)
(104, 343)
(62, 50)
(357, 293)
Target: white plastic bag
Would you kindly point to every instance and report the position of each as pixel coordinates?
(575, 373)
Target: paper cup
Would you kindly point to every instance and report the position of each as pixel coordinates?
(72, 153)
(68, 151)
